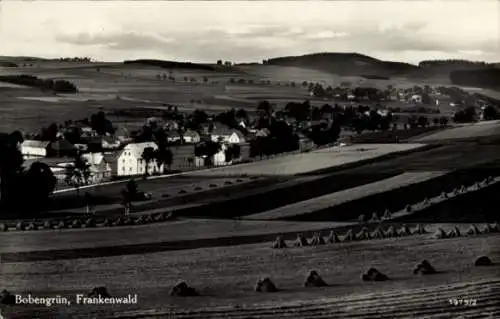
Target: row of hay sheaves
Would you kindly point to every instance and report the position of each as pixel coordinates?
(380, 233)
(90, 222)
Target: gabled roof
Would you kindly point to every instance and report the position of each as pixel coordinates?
(173, 134)
(221, 129)
(138, 148)
(93, 158)
(191, 133)
(36, 144)
(111, 157)
(62, 145)
(239, 134)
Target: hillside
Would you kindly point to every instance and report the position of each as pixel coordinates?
(345, 64)
(172, 64)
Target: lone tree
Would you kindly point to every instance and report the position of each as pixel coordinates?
(207, 150)
(129, 194)
(148, 155)
(39, 182)
(79, 174)
(11, 165)
(232, 152)
(165, 157)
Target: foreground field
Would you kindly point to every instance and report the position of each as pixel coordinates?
(225, 278)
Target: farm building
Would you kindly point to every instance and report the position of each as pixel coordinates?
(130, 161)
(227, 135)
(218, 159)
(99, 168)
(32, 148)
(173, 137)
(191, 136)
(61, 148)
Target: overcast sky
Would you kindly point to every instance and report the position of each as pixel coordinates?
(402, 30)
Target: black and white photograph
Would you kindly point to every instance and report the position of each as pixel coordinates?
(250, 159)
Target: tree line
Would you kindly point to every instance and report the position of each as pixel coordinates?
(57, 86)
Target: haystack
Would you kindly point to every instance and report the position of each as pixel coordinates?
(7, 298)
(314, 280)
(363, 234)
(408, 208)
(404, 231)
(90, 223)
(455, 232)
(99, 291)
(348, 236)
(444, 195)
(183, 290)
(494, 228)
(473, 230)
(424, 268)
(333, 238)
(483, 261)
(387, 215)
(47, 224)
(139, 220)
(439, 234)
(374, 275)
(301, 241)
(455, 191)
(4, 227)
(463, 189)
(419, 230)
(378, 233)
(391, 232)
(374, 218)
(265, 285)
(20, 226)
(317, 239)
(148, 219)
(32, 226)
(62, 225)
(361, 219)
(106, 222)
(279, 243)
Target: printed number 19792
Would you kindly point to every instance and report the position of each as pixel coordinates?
(462, 302)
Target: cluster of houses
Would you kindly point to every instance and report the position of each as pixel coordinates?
(114, 156)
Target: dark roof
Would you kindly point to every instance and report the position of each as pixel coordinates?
(62, 145)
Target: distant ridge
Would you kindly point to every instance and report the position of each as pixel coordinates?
(345, 64)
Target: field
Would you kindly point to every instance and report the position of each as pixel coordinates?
(119, 87)
(467, 131)
(225, 276)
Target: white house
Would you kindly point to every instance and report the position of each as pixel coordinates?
(416, 98)
(218, 159)
(99, 168)
(191, 136)
(130, 161)
(32, 148)
(236, 138)
(227, 136)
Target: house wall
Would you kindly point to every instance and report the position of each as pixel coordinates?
(33, 151)
(128, 165)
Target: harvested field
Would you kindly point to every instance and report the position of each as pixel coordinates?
(344, 196)
(314, 161)
(468, 131)
(225, 278)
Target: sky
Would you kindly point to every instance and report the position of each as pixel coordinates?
(249, 31)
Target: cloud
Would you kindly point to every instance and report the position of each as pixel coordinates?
(117, 41)
(326, 34)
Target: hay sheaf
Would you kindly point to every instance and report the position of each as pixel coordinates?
(424, 268)
(333, 238)
(404, 231)
(99, 291)
(444, 195)
(494, 228)
(32, 226)
(20, 226)
(453, 233)
(349, 236)
(62, 225)
(279, 243)
(378, 233)
(374, 275)
(4, 227)
(483, 261)
(473, 230)
(183, 290)
(314, 280)
(301, 241)
(375, 218)
(387, 215)
(419, 230)
(265, 285)
(317, 239)
(440, 234)
(47, 225)
(76, 223)
(363, 234)
(391, 232)
(361, 219)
